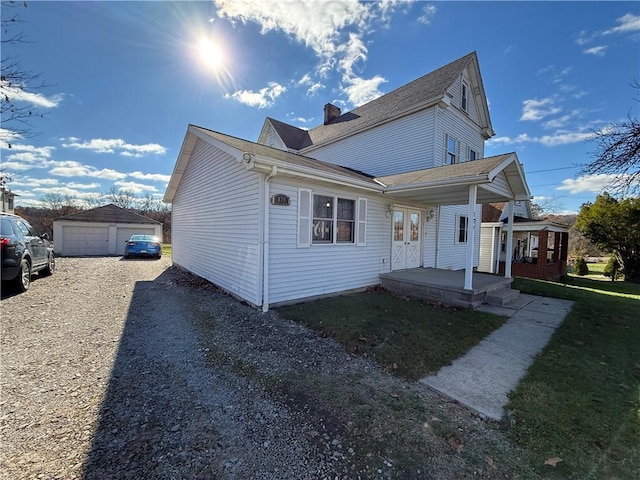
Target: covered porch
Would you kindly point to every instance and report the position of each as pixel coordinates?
(448, 287)
(500, 178)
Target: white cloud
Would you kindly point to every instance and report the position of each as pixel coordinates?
(76, 169)
(83, 186)
(428, 12)
(588, 183)
(134, 187)
(101, 145)
(535, 109)
(263, 98)
(19, 95)
(557, 122)
(360, 90)
(557, 139)
(333, 30)
(598, 51)
(8, 135)
(157, 177)
(628, 23)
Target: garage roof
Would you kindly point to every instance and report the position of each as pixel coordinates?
(108, 214)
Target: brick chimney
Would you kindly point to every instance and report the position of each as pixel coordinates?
(330, 112)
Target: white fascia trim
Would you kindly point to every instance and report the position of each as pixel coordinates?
(263, 164)
(474, 180)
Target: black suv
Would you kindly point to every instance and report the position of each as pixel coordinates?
(23, 251)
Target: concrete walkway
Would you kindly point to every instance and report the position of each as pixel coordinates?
(483, 377)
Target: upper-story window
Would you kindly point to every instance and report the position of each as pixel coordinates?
(465, 89)
(452, 150)
(473, 155)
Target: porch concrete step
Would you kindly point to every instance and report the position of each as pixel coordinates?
(501, 297)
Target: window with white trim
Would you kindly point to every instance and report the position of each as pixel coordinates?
(452, 150)
(473, 155)
(328, 219)
(464, 102)
(462, 228)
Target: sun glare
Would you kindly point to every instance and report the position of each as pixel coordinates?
(210, 53)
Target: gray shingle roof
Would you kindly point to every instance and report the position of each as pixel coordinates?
(108, 214)
(284, 156)
(293, 137)
(477, 168)
(401, 100)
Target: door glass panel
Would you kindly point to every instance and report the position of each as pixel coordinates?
(398, 226)
(414, 218)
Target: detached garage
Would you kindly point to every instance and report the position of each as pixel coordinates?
(100, 231)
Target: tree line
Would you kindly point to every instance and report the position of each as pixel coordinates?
(54, 206)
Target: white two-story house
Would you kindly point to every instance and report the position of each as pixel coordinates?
(392, 185)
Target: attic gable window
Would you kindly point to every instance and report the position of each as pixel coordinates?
(464, 96)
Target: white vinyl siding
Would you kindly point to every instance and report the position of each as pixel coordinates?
(451, 122)
(296, 273)
(489, 244)
(400, 146)
(216, 222)
(451, 254)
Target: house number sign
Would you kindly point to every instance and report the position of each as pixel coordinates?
(280, 199)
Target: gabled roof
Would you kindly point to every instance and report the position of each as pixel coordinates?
(417, 95)
(289, 163)
(435, 186)
(449, 184)
(293, 137)
(108, 214)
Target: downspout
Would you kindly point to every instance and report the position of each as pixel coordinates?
(265, 240)
(435, 262)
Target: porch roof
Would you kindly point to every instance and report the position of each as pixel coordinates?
(499, 178)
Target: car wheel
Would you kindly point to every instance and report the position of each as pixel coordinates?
(51, 266)
(23, 280)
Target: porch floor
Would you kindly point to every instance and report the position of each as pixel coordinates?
(445, 286)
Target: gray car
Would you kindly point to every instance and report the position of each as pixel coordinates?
(24, 252)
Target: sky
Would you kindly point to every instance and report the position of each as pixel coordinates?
(123, 80)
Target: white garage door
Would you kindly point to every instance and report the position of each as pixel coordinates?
(85, 240)
(124, 234)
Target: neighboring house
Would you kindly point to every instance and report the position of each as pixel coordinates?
(7, 196)
(394, 184)
(100, 231)
(539, 249)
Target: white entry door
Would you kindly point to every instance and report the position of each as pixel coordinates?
(405, 244)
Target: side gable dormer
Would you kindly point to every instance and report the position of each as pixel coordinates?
(283, 136)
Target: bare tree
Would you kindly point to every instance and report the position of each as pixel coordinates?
(618, 154)
(16, 82)
(122, 198)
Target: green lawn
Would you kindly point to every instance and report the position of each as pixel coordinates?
(580, 400)
(407, 336)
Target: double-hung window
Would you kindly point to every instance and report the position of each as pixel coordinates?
(452, 150)
(473, 155)
(328, 219)
(333, 220)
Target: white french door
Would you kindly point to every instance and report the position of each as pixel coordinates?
(405, 241)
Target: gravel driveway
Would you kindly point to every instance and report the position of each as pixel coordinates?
(134, 369)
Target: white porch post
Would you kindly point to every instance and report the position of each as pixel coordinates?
(508, 258)
(471, 237)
